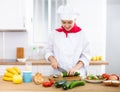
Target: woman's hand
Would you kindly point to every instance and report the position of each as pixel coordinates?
(54, 64)
(75, 68)
(72, 71)
(53, 61)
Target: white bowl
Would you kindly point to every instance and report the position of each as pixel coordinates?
(21, 59)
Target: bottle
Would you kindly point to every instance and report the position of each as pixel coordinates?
(35, 53)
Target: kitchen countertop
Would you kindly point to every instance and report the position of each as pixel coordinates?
(41, 62)
(6, 86)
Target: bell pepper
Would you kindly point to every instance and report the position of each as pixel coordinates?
(17, 79)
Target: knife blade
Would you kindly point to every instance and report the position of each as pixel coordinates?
(61, 69)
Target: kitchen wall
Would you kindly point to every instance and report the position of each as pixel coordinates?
(10, 42)
(113, 36)
(1, 45)
(92, 20)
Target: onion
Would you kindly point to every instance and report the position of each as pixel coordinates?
(113, 77)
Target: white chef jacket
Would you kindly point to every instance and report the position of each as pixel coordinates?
(69, 50)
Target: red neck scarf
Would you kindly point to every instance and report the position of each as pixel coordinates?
(75, 29)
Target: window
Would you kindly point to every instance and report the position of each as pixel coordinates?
(44, 18)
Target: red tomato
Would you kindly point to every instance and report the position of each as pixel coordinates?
(46, 84)
(106, 76)
(51, 81)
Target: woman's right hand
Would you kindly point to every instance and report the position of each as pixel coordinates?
(54, 64)
(53, 61)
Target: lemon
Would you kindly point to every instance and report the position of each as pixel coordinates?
(93, 58)
(100, 58)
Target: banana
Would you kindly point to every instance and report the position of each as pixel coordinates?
(16, 69)
(11, 70)
(8, 74)
(7, 78)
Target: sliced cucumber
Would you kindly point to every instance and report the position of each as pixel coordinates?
(55, 76)
(64, 74)
(76, 74)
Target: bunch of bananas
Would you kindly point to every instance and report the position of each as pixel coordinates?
(11, 73)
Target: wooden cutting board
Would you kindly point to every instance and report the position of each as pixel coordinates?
(66, 78)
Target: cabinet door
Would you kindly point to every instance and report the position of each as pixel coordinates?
(45, 70)
(96, 69)
(12, 14)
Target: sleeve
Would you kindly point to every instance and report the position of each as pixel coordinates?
(49, 47)
(85, 55)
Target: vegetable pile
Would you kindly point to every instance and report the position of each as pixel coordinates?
(110, 76)
(95, 77)
(66, 74)
(68, 84)
(104, 76)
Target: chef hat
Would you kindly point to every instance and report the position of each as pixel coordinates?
(66, 12)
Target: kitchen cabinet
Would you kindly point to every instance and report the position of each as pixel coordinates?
(12, 15)
(45, 70)
(96, 67)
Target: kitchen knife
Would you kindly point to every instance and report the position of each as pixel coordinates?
(61, 69)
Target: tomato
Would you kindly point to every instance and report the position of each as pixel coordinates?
(46, 84)
(106, 76)
(51, 81)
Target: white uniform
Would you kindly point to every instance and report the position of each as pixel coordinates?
(69, 50)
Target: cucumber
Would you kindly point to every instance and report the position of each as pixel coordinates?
(60, 83)
(76, 74)
(66, 85)
(77, 83)
(64, 74)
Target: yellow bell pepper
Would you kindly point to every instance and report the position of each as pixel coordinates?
(17, 79)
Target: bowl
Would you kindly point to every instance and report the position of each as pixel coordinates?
(21, 59)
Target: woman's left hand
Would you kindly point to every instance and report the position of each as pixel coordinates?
(72, 71)
(76, 67)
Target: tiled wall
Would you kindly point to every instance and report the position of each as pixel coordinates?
(11, 41)
(1, 44)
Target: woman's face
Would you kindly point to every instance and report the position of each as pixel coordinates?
(67, 24)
